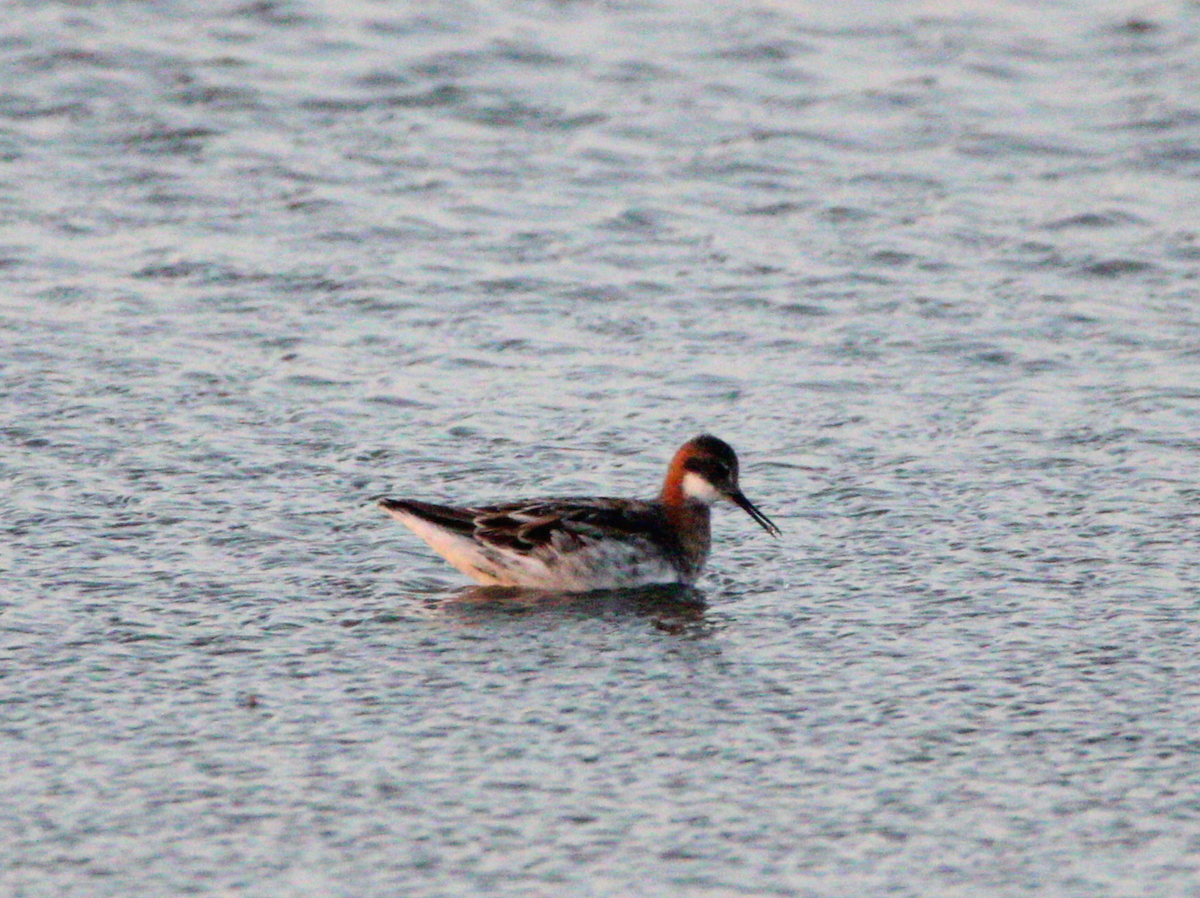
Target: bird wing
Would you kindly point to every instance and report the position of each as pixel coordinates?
(561, 525)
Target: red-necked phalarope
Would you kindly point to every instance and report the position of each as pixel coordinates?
(589, 543)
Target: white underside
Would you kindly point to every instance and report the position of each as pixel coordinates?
(600, 564)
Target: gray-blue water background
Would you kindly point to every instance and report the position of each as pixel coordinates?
(929, 266)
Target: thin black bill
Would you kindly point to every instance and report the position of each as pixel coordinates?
(747, 506)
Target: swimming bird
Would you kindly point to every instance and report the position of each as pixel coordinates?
(581, 544)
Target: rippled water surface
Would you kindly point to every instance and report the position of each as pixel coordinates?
(930, 267)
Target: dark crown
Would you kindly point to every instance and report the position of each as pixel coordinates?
(712, 458)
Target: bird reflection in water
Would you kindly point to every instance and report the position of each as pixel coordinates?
(672, 608)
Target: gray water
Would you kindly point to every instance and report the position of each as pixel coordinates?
(929, 267)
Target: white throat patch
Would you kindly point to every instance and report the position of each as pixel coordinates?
(696, 487)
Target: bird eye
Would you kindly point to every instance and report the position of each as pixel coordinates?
(709, 468)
